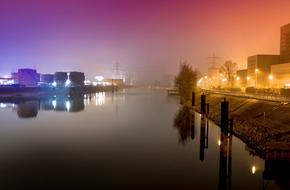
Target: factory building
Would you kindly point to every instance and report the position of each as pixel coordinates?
(76, 78)
(259, 69)
(242, 77)
(46, 78)
(285, 43)
(28, 77)
(60, 79)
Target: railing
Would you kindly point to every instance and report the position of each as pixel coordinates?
(267, 97)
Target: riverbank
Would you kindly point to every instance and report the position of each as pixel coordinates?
(260, 124)
(30, 92)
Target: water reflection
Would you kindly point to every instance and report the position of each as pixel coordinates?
(225, 162)
(183, 123)
(29, 108)
(273, 171)
(277, 167)
(203, 144)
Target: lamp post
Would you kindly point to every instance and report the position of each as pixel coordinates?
(270, 80)
(238, 81)
(248, 81)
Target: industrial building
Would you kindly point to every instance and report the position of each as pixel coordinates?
(28, 77)
(242, 77)
(285, 43)
(76, 78)
(46, 78)
(60, 79)
(259, 69)
(280, 75)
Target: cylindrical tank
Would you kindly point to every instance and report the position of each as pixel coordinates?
(46, 78)
(60, 78)
(77, 78)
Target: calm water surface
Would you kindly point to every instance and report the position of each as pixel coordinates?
(135, 139)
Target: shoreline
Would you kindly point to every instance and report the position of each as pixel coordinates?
(258, 123)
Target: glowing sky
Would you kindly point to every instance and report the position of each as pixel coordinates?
(147, 37)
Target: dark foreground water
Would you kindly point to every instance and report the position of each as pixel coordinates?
(135, 139)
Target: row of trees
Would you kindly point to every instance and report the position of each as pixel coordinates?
(187, 77)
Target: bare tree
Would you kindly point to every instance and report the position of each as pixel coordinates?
(228, 69)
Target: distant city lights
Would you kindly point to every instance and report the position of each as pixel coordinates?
(54, 84)
(99, 78)
(100, 98)
(67, 105)
(67, 83)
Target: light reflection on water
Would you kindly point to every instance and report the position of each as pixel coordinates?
(125, 140)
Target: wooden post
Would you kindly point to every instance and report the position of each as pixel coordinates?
(224, 116)
(202, 103)
(193, 98)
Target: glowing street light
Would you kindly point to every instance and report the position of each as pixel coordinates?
(219, 142)
(238, 78)
(99, 78)
(270, 77)
(253, 169)
(248, 78)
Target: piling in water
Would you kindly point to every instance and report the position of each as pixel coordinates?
(203, 103)
(193, 98)
(224, 116)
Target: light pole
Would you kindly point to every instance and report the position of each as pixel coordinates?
(248, 81)
(270, 80)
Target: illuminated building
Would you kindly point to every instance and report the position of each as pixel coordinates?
(28, 77)
(46, 78)
(281, 75)
(242, 77)
(259, 68)
(285, 43)
(60, 78)
(115, 82)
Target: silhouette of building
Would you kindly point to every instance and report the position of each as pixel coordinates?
(77, 78)
(285, 43)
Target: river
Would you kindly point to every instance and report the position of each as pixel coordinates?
(131, 139)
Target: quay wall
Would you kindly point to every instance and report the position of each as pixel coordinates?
(258, 123)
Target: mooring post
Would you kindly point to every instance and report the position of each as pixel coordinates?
(224, 116)
(231, 126)
(207, 109)
(202, 103)
(193, 98)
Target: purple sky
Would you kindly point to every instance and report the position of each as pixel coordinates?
(147, 37)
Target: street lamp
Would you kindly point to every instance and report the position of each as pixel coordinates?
(270, 80)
